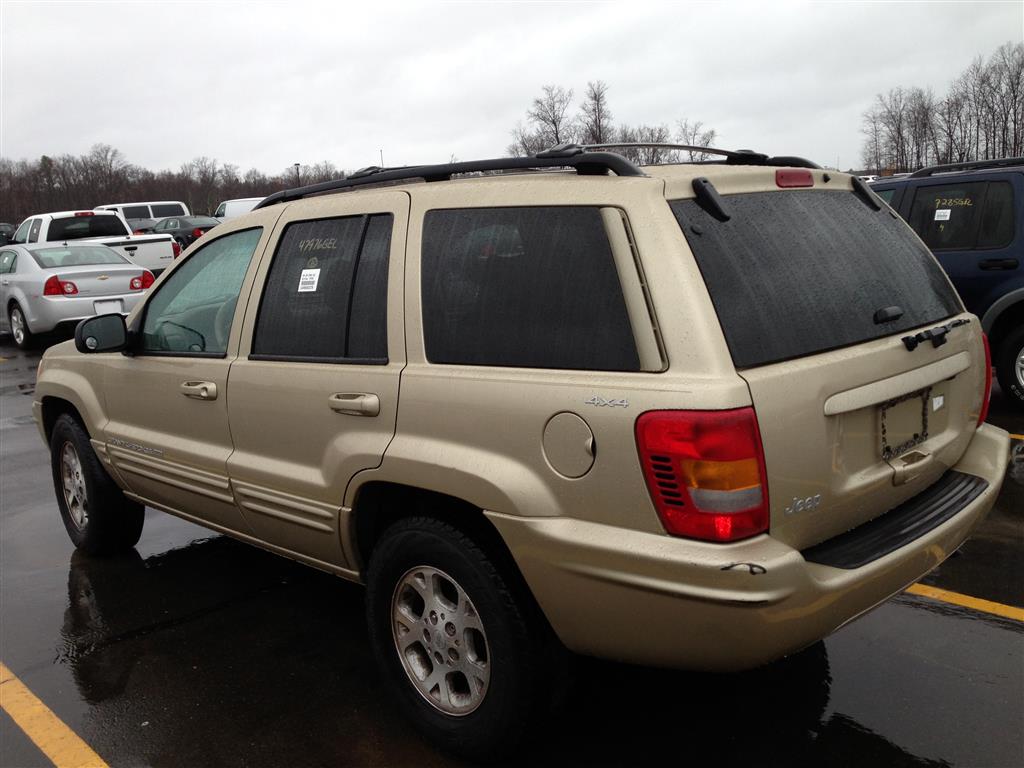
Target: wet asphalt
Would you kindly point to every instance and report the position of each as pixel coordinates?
(197, 650)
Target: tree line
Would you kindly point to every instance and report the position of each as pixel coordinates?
(103, 175)
(552, 119)
(981, 117)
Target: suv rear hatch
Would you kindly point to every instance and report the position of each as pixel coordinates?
(815, 289)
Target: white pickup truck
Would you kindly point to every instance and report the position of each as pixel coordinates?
(154, 252)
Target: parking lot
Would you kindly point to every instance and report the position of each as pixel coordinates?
(198, 650)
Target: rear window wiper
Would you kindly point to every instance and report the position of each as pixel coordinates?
(709, 199)
(937, 335)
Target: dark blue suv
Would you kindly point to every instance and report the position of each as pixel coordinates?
(971, 215)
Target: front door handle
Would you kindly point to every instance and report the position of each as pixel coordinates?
(354, 403)
(990, 264)
(199, 390)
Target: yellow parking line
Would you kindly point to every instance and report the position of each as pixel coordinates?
(966, 601)
(1016, 437)
(54, 739)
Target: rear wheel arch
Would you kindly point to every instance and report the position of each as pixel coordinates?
(1009, 319)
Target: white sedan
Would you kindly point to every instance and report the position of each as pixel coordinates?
(46, 285)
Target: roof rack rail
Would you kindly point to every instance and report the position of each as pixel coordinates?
(561, 156)
(968, 165)
(732, 156)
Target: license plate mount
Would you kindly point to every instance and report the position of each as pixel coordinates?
(903, 422)
(108, 307)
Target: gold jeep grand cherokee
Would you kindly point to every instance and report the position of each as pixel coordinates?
(694, 416)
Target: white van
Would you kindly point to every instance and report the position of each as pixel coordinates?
(137, 212)
(229, 209)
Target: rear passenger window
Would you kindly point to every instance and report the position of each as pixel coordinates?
(135, 211)
(997, 220)
(524, 287)
(946, 217)
(170, 209)
(326, 294)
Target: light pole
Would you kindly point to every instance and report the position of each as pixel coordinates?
(296, 174)
(381, 158)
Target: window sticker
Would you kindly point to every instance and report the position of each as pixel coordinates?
(942, 214)
(308, 280)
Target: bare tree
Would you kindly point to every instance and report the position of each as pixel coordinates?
(696, 135)
(550, 117)
(595, 117)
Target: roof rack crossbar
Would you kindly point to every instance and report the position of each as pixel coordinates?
(967, 165)
(563, 156)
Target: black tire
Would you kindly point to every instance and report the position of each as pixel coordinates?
(111, 523)
(1008, 355)
(28, 339)
(522, 653)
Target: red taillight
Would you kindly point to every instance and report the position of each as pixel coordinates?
(988, 381)
(705, 471)
(142, 282)
(787, 177)
(54, 286)
(138, 232)
(176, 248)
(85, 213)
(197, 233)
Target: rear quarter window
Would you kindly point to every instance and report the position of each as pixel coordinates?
(524, 287)
(801, 272)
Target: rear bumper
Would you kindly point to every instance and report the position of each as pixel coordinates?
(662, 601)
(46, 313)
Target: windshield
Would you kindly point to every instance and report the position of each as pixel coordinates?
(801, 272)
(77, 256)
(75, 227)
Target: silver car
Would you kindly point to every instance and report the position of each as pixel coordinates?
(46, 285)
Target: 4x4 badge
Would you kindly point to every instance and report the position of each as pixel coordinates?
(601, 402)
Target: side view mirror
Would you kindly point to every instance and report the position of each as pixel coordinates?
(103, 333)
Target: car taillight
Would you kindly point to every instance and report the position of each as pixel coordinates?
(176, 248)
(197, 233)
(142, 282)
(54, 286)
(988, 381)
(705, 471)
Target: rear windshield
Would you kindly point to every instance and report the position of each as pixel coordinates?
(801, 272)
(77, 256)
(201, 221)
(75, 227)
(168, 209)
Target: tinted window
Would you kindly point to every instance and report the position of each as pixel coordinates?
(326, 292)
(77, 256)
(801, 272)
(192, 311)
(998, 222)
(168, 209)
(527, 287)
(33, 234)
(136, 212)
(885, 194)
(946, 217)
(74, 227)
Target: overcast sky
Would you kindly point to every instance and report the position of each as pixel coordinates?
(268, 84)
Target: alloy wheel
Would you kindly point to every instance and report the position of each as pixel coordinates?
(72, 478)
(440, 640)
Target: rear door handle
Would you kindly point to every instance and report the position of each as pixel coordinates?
(354, 403)
(990, 264)
(199, 390)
